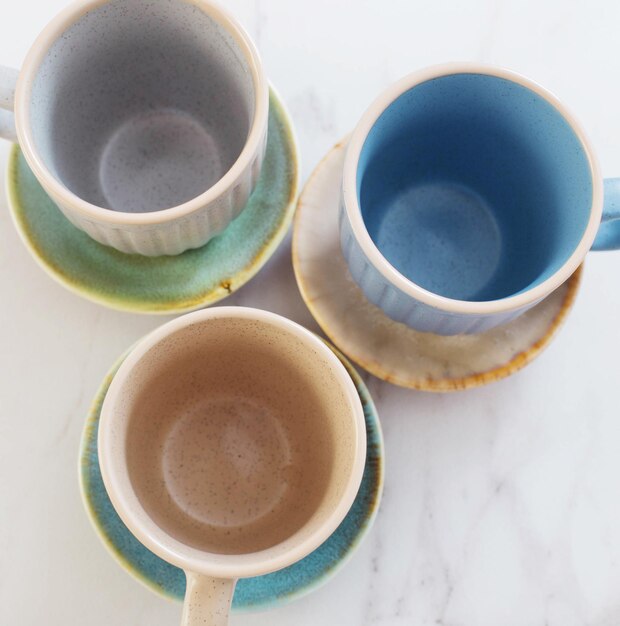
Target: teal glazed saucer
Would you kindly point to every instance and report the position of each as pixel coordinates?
(166, 284)
(251, 594)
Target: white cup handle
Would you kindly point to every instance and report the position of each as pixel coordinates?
(8, 81)
(207, 600)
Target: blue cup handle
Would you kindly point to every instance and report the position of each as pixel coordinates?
(608, 236)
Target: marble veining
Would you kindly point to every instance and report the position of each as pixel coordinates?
(501, 504)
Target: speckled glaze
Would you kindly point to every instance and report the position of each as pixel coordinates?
(271, 407)
(145, 121)
(251, 594)
(390, 350)
(167, 284)
(469, 194)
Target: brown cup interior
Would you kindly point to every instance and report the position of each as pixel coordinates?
(237, 434)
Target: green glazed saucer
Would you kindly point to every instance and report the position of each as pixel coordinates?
(167, 284)
(251, 594)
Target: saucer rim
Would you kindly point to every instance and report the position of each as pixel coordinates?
(437, 385)
(378, 446)
(140, 305)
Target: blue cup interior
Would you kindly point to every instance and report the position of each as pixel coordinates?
(474, 187)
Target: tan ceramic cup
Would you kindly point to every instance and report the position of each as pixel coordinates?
(232, 444)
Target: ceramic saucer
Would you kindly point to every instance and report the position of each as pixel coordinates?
(250, 593)
(390, 350)
(164, 284)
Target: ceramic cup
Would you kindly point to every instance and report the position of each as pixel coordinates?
(144, 120)
(470, 194)
(232, 443)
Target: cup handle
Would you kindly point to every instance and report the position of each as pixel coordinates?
(207, 600)
(8, 81)
(608, 236)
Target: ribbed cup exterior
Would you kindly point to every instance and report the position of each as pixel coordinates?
(404, 308)
(171, 236)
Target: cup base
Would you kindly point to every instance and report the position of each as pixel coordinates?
(442, 236)
(156, 161)
(387, 349)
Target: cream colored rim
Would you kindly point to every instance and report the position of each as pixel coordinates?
(363, 238)
(127, 505)
(410, 379)
(202, 300)
(28, 73)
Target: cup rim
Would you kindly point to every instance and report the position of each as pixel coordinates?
(52, 31)
(389, 272)
(126, 503)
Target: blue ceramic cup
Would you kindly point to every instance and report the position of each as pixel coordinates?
(470, 194)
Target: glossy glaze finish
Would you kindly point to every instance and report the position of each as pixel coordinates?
(250, 593)
(105, 106)
(167, 284)
(514, 161)
(390, 350)
(290, 382)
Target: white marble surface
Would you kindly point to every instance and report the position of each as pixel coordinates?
(501, 504)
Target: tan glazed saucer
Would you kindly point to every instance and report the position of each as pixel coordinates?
(390, 350)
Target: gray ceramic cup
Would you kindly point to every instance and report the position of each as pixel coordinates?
(144, 120)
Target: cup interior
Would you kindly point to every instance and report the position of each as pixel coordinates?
(141, 106)
(232, 437)
(474, 187)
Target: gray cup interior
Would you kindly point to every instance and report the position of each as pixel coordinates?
(142, 105)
